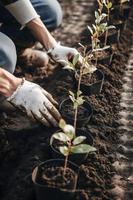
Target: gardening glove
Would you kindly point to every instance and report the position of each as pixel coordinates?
(62, 54)
(37, 103)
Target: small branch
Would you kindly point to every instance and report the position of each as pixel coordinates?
(106, 37)
(65, 165)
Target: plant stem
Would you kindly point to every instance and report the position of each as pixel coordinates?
(78, 89)
(66, 159)
(76, 110)
(108, 17)
(65, 165)
(106, 36)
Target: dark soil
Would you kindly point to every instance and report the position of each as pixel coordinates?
(89, 79)
(55, 177)
(68, 111)
(22, 147)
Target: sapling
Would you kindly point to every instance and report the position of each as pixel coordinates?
(86, 67)
(108, 4)
(97, 30)
(100, 4)
(70, 143)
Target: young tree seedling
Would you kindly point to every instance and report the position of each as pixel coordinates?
(77, 98)
(70, 143)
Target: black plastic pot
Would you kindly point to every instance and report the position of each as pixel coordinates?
(49, 192)
(107, 59)
(69, 118)
(75, 158)
(123, 14)
(112, 38)
(119, 25)
(95, 88)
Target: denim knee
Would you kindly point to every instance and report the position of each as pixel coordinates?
(50, 12)
(8, 56)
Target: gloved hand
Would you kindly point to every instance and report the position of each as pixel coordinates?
(37, 103)
(62, 54)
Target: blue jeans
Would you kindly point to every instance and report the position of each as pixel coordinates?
(50, 13)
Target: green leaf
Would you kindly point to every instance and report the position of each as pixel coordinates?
(110, 27)
(69, 67)
(69, 131)
(103, 16)
(75, 59)
(80, 100)
(104, 2)
(61, 137)
(94, 26)
(109, 5)
(71, 93)
(90, 29)
(96, 15)
(78, 140)
(72, 96)
(82, 148)
(79, 93)
(62, 123)
(64, 150)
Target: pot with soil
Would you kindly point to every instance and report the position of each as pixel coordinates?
(121, 12)
(112, 37)
(52, 183)
(125, 11)
(84, 112)
(103, 57)
(91, 84)
(75, 158)
(119, 24)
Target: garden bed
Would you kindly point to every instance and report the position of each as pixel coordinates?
(23, 146)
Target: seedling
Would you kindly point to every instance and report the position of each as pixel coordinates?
(70, 143)
(101, 5)
(97, 30)
(86, 67)
(108, 4)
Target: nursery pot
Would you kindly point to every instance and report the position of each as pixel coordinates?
(53, 192)
(112, 38)
(94, 88)
(75, 158)
(123, 14)
(84, 112)
(119, 24)
(104, 57)
(125, 11)
(106, 60)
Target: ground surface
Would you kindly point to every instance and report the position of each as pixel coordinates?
(101, 176)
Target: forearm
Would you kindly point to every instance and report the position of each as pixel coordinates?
(8, 83)
(26, 15)
(41, 33)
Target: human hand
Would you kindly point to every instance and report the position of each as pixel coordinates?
(62, 54)
(37, 103)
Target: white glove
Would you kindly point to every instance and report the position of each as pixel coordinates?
(62, 54)
(37, 103)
